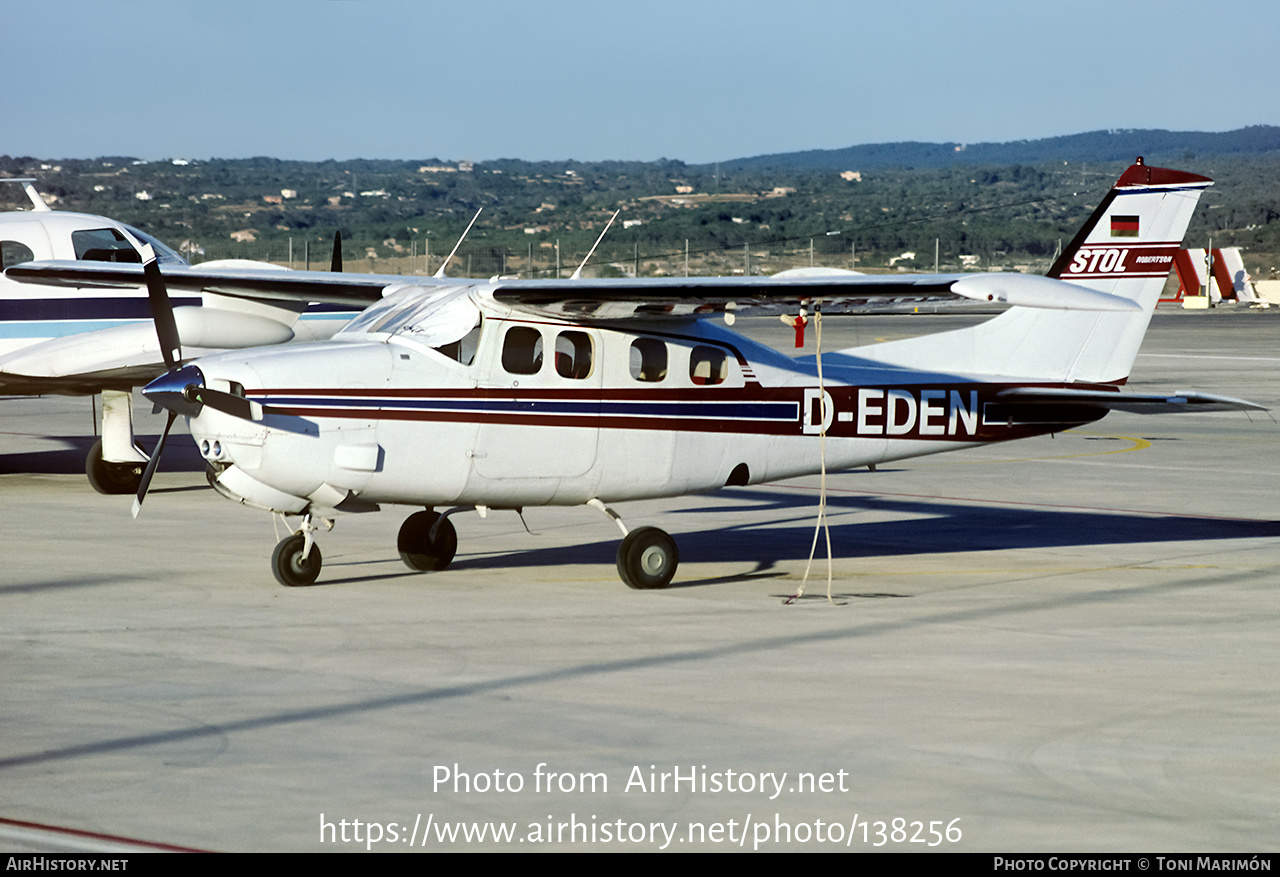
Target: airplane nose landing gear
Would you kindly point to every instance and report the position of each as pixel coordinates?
(296, 560)
(293, 566)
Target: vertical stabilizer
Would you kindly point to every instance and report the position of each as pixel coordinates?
(1126, 248)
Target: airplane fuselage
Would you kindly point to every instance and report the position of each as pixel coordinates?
(614, 413)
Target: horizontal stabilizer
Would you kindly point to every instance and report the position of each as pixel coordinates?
(1136, 403)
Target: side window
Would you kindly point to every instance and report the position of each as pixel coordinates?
(648, 360)
(464, 349)
(573, 355)
(522, 351)
(14, 253)
(103, 245)
(708, 365)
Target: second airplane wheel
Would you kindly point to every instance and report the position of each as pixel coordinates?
(647, 559)
(289, 566)
(419, 550)
(111, 478)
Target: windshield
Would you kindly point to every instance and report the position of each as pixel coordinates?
(165, 254)
(432, 315)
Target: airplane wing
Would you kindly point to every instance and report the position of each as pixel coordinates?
(609, 299)
(358, 290)
(771, 296)
(1135, 403)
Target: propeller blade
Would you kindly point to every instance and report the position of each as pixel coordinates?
(336, 265)
(161, 309)
(151, 465)
(227, 403)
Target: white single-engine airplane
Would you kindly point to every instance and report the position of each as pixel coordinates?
(505, 394)
(97, 337)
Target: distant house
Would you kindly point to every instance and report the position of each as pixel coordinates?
(288, 194)
(851, 176)
(273, 199)
(245, 235)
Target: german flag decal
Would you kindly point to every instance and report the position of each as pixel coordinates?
(1124, 226)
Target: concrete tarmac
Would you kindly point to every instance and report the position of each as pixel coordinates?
(1066, 643)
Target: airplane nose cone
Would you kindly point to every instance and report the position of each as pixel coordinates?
(172, 390)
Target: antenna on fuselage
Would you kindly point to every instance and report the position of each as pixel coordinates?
(37, 203)
(440, 274)
(577, 275)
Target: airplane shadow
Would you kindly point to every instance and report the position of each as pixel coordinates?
(930, 527)
(67, 458)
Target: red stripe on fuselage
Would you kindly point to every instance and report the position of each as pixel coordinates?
(936, 412)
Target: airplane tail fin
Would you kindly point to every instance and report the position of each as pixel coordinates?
(1126, 248)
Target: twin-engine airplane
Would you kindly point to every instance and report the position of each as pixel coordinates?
(97, 337)
(505, 394)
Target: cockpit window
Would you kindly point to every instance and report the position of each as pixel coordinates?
(464, 349)
(14, 253)
(103, 245)
(109, 245)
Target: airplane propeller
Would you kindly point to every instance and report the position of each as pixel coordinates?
(336, 264)
(181, 389)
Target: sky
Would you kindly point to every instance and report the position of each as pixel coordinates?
(564, 79)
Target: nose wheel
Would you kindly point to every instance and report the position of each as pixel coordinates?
(293, 565)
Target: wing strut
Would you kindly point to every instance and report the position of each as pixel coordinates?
(440, 275)
(577, 275)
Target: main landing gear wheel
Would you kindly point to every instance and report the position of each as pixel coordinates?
(111, 478)
(419, 550)
(289, 566)
(647, 559)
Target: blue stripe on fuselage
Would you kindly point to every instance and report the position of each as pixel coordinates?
(699, 408)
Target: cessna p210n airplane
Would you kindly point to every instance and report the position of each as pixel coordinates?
(505, 394)
(98, 337)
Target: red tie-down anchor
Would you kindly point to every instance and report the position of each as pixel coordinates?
(798, 323)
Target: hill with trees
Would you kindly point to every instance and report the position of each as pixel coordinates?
(876, 207)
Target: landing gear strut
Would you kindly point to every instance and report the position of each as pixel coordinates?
(427, 541)
(115, 464)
